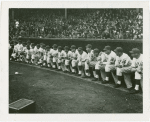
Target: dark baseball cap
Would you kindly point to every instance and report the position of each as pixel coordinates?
(73, 47)
(135, 50)
(38, 45)
(54, 45)
(80, 48)
(66, 48)
(59, 47)
(88, 46)
(118, 49)
(107, 48)
(96, 50)
(47, 46)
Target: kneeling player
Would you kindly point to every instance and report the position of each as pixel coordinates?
(95, 62)
(82, 56)
(59, 58)
(137, 67)
(123, 64)
(90, 56)
(66, 59)
(73, 58)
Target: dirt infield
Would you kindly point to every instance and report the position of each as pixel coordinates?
(58, 93)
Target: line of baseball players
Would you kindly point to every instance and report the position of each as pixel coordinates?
(79, 62)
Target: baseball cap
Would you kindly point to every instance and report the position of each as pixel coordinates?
(96, 50)
(118, 49)
(107, 48)
(135, 50)
(88, 46)
(66, 48)
(73, 47)
(54, 45)
(47, 47)
(80, 48)
(59, 47)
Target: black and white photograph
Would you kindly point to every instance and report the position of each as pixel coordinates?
(77, 60)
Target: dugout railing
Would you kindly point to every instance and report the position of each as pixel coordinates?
(126, 44)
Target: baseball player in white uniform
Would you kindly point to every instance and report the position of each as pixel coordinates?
(61, 54)
(137, 67)
(82, 56)
(90, 55)
(66, 59)
(108, 64)
(123, 64)
(73, 58)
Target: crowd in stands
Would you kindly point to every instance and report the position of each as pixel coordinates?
(79, 23)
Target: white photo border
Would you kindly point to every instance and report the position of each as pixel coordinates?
(4, 64)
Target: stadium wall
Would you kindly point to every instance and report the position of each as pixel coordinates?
(127, 45)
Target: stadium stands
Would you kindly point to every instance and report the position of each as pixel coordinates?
(80, 23)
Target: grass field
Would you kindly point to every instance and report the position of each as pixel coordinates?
(55, 92)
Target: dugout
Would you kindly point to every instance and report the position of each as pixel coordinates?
(126, 44)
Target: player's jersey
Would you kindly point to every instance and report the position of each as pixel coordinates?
(24, 49)
(15, 48)
(74, 55)
(123, 60)
(82, 57)
(90, 55)
(61, 54)
(20, 47)
(137, 62)
(54, 53)
(67, 55)
(110, 58)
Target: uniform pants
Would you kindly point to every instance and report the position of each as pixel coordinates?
(126, 73)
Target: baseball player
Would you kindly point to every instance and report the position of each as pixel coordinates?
(14, 53)
(28, 54)
(54, 53)
(32, 51)
(41, 53)
(45, 55)
(123, 64)
(94, 61)
(90, 55)
(66, 59)
(137, 67)
(61, 53)
(108, 64)
(73, 58)
(36, 49)
(82, 56)
(19, 49)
